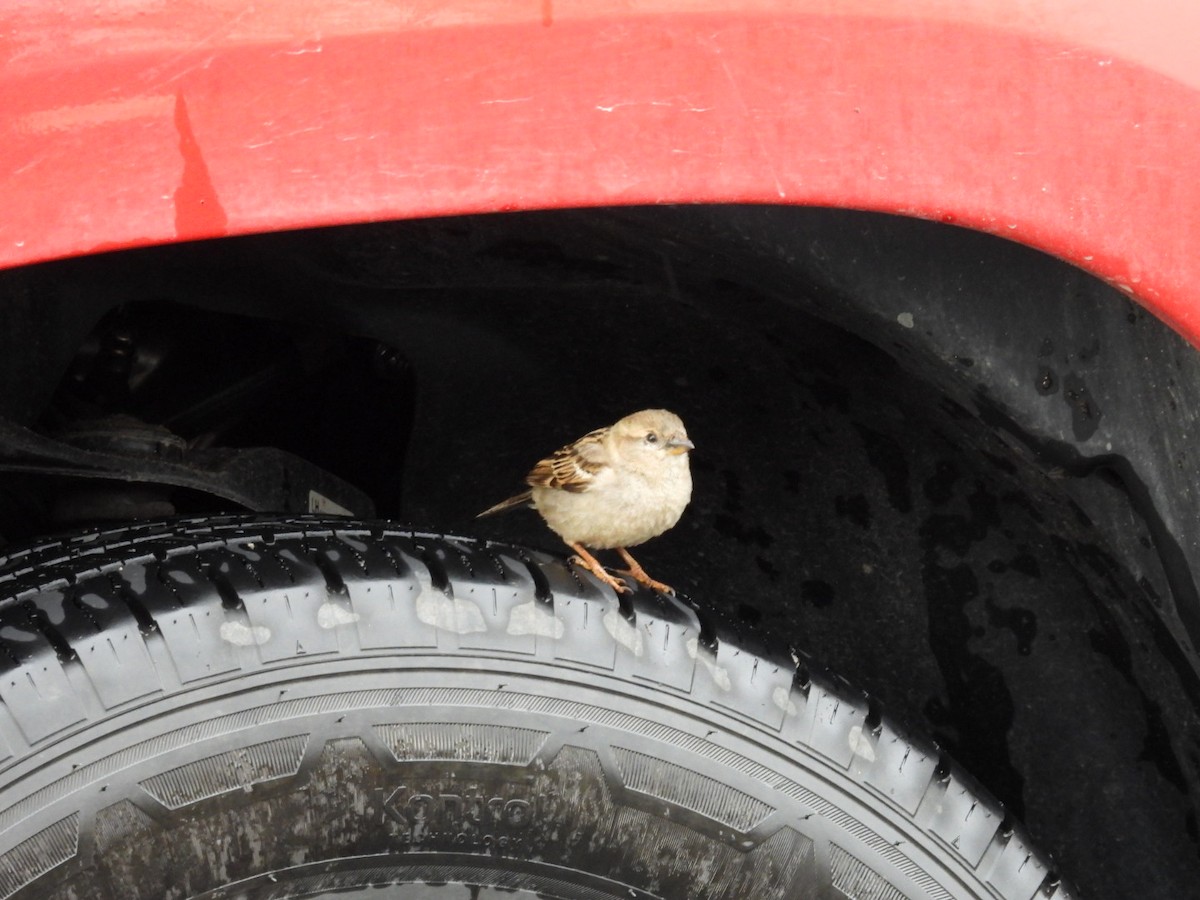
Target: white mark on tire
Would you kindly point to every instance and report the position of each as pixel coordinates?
(135, 577)
(331, 615)
(623, 632)
(360, 546)
(860, 745)
(534, 618)
(782, 698)
(906, 319)
(720, 675)
(244, 635)
(447, 614)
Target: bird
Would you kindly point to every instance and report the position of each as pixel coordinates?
(614, 488)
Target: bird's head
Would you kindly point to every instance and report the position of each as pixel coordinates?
(652, 434)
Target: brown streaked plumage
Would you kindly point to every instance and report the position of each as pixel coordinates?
(614, 488)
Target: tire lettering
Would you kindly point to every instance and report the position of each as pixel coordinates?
(429, 820)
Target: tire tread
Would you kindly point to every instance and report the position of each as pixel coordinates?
(135, 592)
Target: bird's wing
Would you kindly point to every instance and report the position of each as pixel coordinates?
(574, 467)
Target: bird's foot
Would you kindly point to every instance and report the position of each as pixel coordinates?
(638, 574)
(646, 581)
(589, 562)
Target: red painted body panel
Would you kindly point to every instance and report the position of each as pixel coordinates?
(1075, 132)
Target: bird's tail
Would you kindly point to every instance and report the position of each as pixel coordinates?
(511, 503)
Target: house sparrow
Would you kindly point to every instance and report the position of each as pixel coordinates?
(614, 488)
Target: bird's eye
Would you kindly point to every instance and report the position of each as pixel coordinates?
(652, 438)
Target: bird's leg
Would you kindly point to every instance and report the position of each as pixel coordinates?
(638, 574)
(589, 562)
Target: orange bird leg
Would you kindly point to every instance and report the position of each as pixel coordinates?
(638, 574)
(589, 562)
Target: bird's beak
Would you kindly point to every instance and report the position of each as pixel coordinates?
(679, 445)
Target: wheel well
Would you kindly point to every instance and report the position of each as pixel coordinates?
(931, 455)
(1074, 378)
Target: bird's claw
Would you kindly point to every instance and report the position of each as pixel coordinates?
(619, 586)
(638, 574)
(646, 581)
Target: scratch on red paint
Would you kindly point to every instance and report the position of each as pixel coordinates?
(547, 12)
(198, 211)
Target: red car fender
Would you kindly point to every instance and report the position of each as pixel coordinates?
(1077, 132)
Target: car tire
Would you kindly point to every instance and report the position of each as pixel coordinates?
(296, 707)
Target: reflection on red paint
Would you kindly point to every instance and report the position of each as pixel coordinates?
(198, 212)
